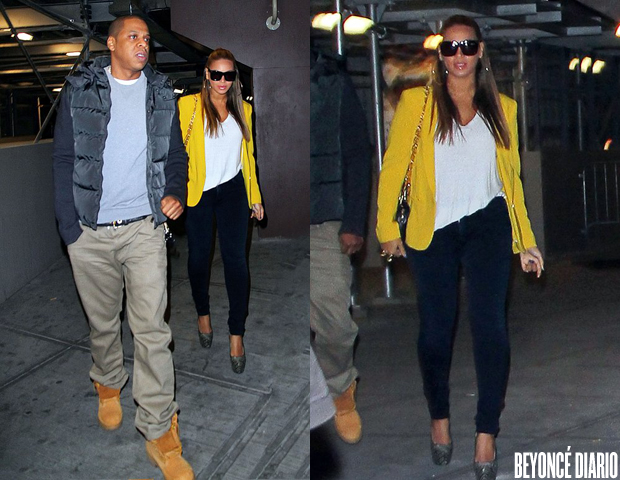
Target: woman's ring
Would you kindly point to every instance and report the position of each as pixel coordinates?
(388, 256)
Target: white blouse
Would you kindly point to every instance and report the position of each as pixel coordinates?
(465, 173)
(223, 154)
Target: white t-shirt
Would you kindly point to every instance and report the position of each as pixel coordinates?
(465, 173)
(223, 153)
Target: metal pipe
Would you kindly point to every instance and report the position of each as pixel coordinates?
(274, 9)
(39, 106)
(84, 11)
(339, 30)
(579, 111)
(377, 103)
(585, 202)
(26, 54)
(273, 22)
(521, 83)
(12, 108)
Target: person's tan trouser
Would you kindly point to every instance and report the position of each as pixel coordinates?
(330, 298)
(104, 260)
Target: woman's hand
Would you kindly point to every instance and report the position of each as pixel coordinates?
(257, 211)
(532, 261)
(393, 248)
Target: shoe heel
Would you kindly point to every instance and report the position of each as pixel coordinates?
(206, 339)
(441, 454)
(486, 470)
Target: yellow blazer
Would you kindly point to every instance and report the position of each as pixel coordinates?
(196, 151)
(421, 224)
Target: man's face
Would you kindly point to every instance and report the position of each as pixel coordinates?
(129, 49)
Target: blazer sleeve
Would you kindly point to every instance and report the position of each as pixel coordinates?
(255, 195)
(523, 236)
(395, 163)
(176, 165)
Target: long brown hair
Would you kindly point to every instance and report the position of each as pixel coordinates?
(234, 101)
(486, 97)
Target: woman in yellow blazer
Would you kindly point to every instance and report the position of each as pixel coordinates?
(221, 189)
(467, 210)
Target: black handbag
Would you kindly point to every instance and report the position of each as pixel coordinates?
(403, 208)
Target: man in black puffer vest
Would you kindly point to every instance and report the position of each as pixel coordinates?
(120, 170)
(339, 193)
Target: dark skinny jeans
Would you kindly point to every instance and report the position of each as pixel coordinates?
(227, 204)
(481, 243)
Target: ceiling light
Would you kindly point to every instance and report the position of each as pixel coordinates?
(573, 63)
(356, 25)
(598, 66)
(24, 37)
(585, 64)
(326, 21)
(72, 54)
(58, 89)
(607, 144)
(178, 91)
(618, 30)
(432, 42)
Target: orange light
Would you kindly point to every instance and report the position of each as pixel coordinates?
(586, 63)
(432, 42)
(607, 144)
(573, 63)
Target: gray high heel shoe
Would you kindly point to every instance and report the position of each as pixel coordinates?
(206, 339)
(441, 453)
(238, 363)
(486, 470)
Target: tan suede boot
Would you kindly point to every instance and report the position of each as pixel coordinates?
(165, 453)
(110, 412)
(348, 421)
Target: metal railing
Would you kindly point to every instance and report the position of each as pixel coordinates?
(601, 195)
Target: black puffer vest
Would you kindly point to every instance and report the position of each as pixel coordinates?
(326, 187)
(90, 109)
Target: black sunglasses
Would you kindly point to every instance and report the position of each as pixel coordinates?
(216, 75)
(448, 48)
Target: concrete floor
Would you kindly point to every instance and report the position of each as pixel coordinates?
(248, 426)
(564, 388)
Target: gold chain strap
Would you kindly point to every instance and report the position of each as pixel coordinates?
(191, 123)
(406, 188)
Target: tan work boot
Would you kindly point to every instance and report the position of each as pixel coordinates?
(110, 412)
(165, 452)
(348, 421)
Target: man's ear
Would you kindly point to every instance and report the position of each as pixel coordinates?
(111, 43)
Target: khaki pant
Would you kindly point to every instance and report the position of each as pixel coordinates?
(330, 298)
(133, 256)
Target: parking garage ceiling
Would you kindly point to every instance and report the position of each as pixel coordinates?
(586, 24)
(60, 27)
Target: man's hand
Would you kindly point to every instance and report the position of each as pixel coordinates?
(171, 207)
(350, 243)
